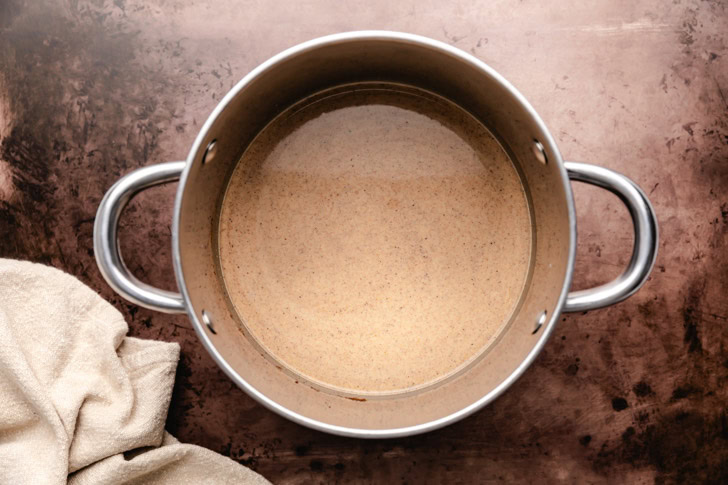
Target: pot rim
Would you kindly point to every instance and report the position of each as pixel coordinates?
(321, 425)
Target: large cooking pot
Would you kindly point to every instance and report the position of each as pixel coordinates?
(333, 61)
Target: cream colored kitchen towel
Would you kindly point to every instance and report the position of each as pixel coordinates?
(80, 401)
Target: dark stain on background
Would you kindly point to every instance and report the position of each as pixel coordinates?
(83, 113)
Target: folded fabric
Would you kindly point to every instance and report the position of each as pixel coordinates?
(81, 402)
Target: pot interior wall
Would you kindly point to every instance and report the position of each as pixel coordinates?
(390, 59)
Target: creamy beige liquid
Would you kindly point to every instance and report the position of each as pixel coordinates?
(374, 240)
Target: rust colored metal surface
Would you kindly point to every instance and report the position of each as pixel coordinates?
(633, 393)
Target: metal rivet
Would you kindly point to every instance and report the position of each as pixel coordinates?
(208, 321)
(209, 152)
(539, 323)
(539, 152)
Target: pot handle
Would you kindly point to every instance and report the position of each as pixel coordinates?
(106, 243)
(644, 251)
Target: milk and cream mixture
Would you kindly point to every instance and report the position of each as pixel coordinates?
(375, 239)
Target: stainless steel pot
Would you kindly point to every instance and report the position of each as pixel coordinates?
(355, 57)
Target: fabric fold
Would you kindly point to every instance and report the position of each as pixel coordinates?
(77, 393)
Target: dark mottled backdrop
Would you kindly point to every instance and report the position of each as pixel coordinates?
(90, 89)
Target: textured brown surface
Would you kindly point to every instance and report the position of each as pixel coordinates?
(92, 89)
